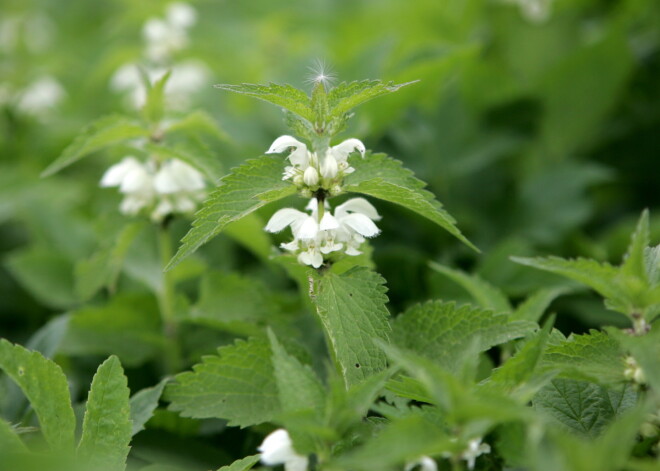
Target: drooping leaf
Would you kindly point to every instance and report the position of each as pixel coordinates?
(286, 96)
(9, 440)
(143, 403)
(100, 134)
(352, 309)
(443, 332)
(107, 428)
(485, 295)
(385, 178)
(44, 384)
(584, 408)
(347, 95)
(244, 464)
(249, 187)
(238, 384)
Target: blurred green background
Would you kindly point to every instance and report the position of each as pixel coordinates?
(536, 123)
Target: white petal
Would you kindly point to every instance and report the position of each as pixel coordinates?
(181, 15)
(292, 246)
(329, 167)
(299, 463)
(283, 218)
(311, 257)
(311, 176)
(425, 464)
(361, 224)
(138, 180)
(350, 250)
(299, 157)
(309, 229)
(116, 174)
(163, 209)
(175, 175)
(328, 222)
(276, 448)
(133, 203)
(357, 205)
(282, 143)
(155, 30)
(342, 151)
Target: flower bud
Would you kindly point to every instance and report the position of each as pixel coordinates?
(311, 176)
(329, 168)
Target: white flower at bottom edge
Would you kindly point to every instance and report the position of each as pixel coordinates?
(474, 450)
(425, 464)
(277, 448)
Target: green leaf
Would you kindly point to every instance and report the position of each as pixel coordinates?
(385, 178)
(444, 332)
(535, 305)
(102, 133)
(346, 96)
(249, 187)
(244, 464)
(645, 349)
(143, 403)
(485, 295)
(249, 232)
(582, 407)
(297, 384)
(9, 440)
(238, 384)
(595, 357)
(352, 309)
(106, 431)
(44, 384)
(286, 96)
(634, 261)
(154, 107)
(195, 122)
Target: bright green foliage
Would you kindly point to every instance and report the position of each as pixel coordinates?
(347, 95)
(238, 384)
(534, 306)
(102, 133)
(297, 384)
(143, 403)
(383, 177)
(645, 349)
(594, 357)
(196, 122)
(9, 440)
(244, 464)
(632, 289)
(45, 386)
(154, 107)
(484, 294)
(286, 96)
(584, 408)
(107, 427)
(361, 293)
(252, 185)
(444, 332)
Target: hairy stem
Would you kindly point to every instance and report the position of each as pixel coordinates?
(172, 353)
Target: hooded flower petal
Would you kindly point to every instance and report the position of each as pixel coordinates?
(328, 222)
(357, 205)
(299, 157)
(329, 168)
(285, 217)
(342, 151)
(175, 175)
(115, 175)
(137, 180)
(277, 449)
(309, 229)
(311, 176)
(361, 224)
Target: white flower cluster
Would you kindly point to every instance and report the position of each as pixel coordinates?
(163, 38)
(474, 450)
(633, 371)
(307, 168)
(277, 449)
(39, 98)
(162, 189)
(321, 232)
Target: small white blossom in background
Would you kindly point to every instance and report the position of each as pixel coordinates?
(277, 449)
(423, 464)
(40, 97)
(345, 230)
(633, 371)
(307, 168)
(474, 450)
(168, 35)
(168, 188)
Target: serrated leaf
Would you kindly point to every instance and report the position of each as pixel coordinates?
(352, 309)
(582, 407)
(244, 464)
(595, 357)
(101, 133)
(485, 295)
(444, 332)
(297, 384)
(286, 96)
(533, 308)
(385, 178)
(106, 431)
(248, 188)
(238, 384)
(9, 440)
(633, 261)
(347, 95)
(44, 384)
(199, 157)
(143, 403)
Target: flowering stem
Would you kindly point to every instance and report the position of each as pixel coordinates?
(172, 353)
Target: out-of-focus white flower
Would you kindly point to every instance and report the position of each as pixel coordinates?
(535, 11)
(277, 449)
(424, 463)
(333, 166)
(166, 36)
(40, 96)
(36, 31)
(633, 371)
(174, 187)
(474, 450)
(181, 15)
(346, 229)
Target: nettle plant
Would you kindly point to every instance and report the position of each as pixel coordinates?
(440, 386)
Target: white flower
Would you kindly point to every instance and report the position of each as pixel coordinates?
(334, 162)
(425, 464)
(165, 36)
(277, 449)
(346, 229)
(175, 187)
(474, 450)
(181, 15)
(40, 96)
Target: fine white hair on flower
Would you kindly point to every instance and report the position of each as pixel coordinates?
(277, 449)
(424, 463)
